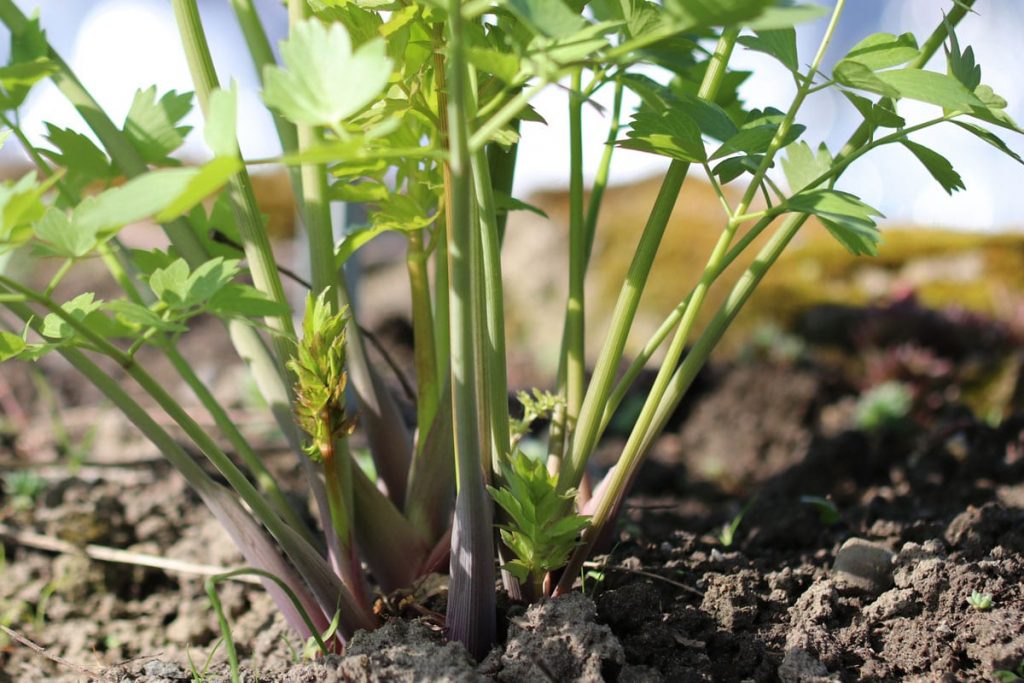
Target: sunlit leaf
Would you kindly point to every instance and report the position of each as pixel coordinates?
(62, 237)
(219, 130)
(551, 18)
(884, 50)
(802, 165)
(152, 124)
(209, 178)
(10, 345)
(780, 44)
(323, 81)
(670, 134)
(139, 198)
(846, 217)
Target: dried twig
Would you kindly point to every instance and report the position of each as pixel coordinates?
(639, 572)
(40, 650)
(108, 554)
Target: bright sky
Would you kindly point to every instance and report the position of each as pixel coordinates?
(117, 46)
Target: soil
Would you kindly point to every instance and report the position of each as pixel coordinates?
(854, 557)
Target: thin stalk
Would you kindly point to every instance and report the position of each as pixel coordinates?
(629, 297)
(428, 390)
(337, 463)
(471, 601)
(603, 170)
(574, 309)
(502, 164)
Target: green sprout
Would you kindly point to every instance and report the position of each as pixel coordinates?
(982, 602)
(828, 513)
(24, 487)
(883, 406)
(1007, 676)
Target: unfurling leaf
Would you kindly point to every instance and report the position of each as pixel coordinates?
(323, 81)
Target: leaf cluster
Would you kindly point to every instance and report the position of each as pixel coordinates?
(539, 532)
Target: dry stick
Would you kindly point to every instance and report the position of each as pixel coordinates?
(108, 554)
(641, 572)
(38, 649)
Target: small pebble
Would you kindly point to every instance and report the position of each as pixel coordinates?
(864, 565)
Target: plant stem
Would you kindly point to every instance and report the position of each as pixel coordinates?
(574, 309)
(428, 390)
(603, 169)
(586, 434)
(471, 601)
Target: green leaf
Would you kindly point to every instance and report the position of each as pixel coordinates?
(755, 139)
(732, 168)
(551, 18)
(133, 314)
(671, 134)
(210, 178)
(504, 202)
(237, 300)
(853, 74)
(170, 284)
(219, 131)
(152, 124)
(79, 156)
(20, 205)
(700, 13)
(991, 138)
(10, 345)
(848, 219)
(504, 65)
(884, 50)
(938, 166)
(323, 81)
(785, 15)
(779, 43)
(85, 309)
(363, 193)
(17, 79)
(931, 87)
(875, 113)
(962, 65)
(63, 238)
(801, 165)
(209, 278)
(141, 197)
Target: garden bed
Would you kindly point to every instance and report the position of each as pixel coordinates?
(941, 494)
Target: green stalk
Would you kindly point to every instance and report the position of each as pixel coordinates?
(502, 164)
(574, 309)
(601, 177)
(586, 433)
(471, 600)
(428, 390)
(337, 463)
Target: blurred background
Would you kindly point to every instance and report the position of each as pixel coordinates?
(117, 46)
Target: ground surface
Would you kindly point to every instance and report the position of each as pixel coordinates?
(873, 585)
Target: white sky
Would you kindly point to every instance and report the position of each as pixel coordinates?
(117, 46)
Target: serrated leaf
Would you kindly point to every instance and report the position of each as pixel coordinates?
(755, 139)
(84, 308)
(732, 168)
(780, 44)
(10, 345)
(208, 278)
(205, 181)
(884, 50)
(938, 166)
(850, 220)
(63, 238)
(221, 122)
(17, 79)
(503, 201)
(80, 157)
(152, 124)
(962, 65)
(308, 90)
(674, 135)
(802, 166)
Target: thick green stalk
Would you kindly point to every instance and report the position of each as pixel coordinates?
(337, 462)
(502, 163)
(428, 389)
(586, 433)
(471, 599)
(603, 170)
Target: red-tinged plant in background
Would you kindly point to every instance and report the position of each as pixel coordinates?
(414, 108)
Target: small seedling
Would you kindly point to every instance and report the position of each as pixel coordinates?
(24, 487)
(883, 406)
(1007, 676)
(727, 534)
(980, 601)
(828, 513)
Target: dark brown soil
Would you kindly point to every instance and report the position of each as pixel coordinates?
(923, 513)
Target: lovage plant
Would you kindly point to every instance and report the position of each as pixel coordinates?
(413, 107)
